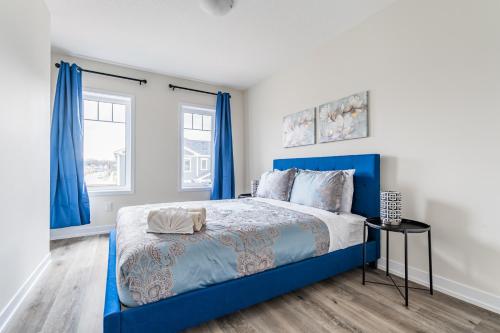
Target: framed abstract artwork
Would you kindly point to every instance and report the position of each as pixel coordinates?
(299, 129)
(344, 119)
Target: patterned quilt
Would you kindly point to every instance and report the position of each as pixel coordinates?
(242, 237)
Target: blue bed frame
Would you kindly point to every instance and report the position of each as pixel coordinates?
(195, 307)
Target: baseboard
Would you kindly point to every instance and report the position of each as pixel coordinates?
(455, 289)
(12, 306)
(80, 231)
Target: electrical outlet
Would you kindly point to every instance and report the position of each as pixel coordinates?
(108, 207)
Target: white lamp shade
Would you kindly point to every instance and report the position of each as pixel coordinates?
(216, 7)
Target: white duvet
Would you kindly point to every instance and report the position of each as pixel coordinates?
(346, 229)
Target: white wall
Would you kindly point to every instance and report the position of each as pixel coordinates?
(156, 134)
(24, 142)
(433, 72)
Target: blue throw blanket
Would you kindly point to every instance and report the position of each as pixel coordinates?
(242, 237)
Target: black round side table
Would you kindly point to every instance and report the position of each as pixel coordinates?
(406, 227)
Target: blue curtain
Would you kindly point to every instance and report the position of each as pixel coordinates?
(223, 181)
(69, 201)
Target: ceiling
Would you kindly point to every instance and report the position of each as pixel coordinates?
(175, 37)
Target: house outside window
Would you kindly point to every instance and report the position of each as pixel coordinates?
(187, 164)
(196, 127)
(107, 142)
(203, 164)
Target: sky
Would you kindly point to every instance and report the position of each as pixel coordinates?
(102, 139)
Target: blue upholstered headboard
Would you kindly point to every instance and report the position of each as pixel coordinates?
(366, 201)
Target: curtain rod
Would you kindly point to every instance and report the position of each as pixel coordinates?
(173, 87)
(141, 81)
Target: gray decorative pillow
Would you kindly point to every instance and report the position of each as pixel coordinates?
(320, 189)
(276, 184)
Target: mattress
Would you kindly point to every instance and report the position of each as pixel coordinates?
(242, 237)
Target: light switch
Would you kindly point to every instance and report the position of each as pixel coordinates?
(108, 207)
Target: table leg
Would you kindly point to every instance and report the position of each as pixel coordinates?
(364, 251)
(430, 264)
(386, 253)
(406, 268)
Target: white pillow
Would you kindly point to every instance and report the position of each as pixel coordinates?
(347, 191)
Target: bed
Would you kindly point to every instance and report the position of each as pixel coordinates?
(190, 304)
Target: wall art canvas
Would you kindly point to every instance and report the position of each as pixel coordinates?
(299, 128)
(344, 119)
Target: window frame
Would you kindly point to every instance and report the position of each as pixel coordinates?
(129, 101)
(206, 110)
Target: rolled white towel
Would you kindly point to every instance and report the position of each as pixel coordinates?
(170, 221)
(197, 220)
(203, 213)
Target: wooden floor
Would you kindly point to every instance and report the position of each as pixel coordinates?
(69, 298)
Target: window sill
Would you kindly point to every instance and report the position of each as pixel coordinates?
(109, 192)
(195, 189)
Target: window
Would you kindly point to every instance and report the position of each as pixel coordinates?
(196, 127)
(107, 142)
